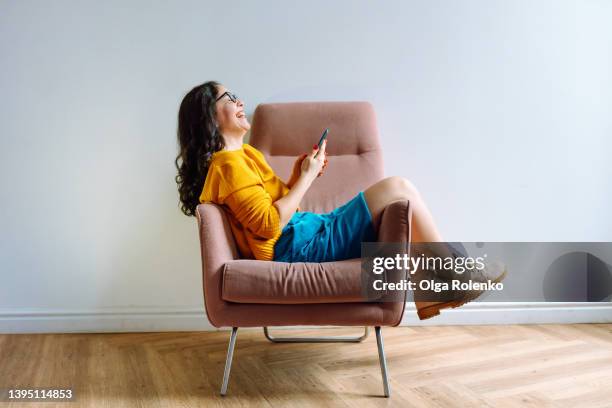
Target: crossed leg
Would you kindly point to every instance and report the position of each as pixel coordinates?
(428, 305)
(394, 188)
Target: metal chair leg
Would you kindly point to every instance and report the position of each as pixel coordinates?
(324, 339)
(382, 360)
(228, 360)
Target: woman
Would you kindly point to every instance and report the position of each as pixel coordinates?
(263, 211)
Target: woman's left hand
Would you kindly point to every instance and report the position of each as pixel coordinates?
(296, 171)
(323, 169)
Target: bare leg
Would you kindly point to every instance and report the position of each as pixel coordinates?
(390, 189)
(394, 188)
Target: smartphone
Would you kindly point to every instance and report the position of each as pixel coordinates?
(323, 137)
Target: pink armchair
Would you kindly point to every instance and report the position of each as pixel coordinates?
(251, 293)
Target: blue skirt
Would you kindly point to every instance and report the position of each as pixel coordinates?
(333, 236)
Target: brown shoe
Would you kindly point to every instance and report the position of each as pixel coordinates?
(493, 272)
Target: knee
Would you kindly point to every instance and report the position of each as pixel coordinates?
(402, 186)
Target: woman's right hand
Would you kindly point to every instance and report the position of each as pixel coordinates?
(312, 166)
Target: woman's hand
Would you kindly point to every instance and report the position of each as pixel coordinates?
(296, 171)
(312, 167)
(323, 168)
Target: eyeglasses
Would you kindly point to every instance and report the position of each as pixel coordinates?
(230, 95)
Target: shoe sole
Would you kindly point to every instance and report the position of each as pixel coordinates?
(427, 312)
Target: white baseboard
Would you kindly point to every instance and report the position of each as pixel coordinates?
(145, 319)
(515, 313)
(168, 319)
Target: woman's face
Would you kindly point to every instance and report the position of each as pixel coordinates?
(231, 118)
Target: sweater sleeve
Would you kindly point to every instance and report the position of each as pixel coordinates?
(248, 200)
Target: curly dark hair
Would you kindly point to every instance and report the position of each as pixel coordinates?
(198, 138)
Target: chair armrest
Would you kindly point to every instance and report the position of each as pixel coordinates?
(395, 223)
(395, 227)
(217, 246)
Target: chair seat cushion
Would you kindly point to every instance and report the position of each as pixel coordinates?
(253, 281)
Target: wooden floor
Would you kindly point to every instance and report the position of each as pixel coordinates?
(452, 366)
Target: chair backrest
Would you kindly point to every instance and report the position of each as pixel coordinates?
(283, 131)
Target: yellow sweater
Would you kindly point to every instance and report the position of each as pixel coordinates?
(246, 186)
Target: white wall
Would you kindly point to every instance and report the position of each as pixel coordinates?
(498, 111)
